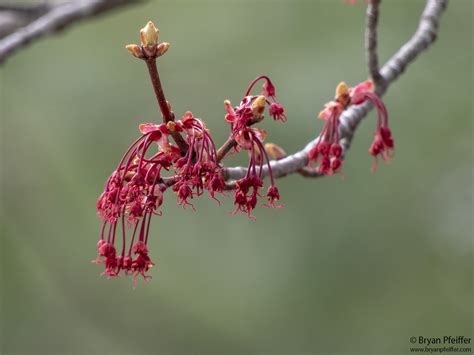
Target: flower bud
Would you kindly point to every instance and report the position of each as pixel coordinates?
(274, 151)
(171, 125)
(342, 89)
(149, 34)
(258, 106)
(342, 94)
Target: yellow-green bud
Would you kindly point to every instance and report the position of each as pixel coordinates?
(342, 89)
(258, 106)
(149, 34)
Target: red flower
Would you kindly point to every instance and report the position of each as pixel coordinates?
(198, 170)
(273, 195)
(240, 118)
(246, 194)
(328, 152)
(277, 111)
(132, 195)
(383, 143)
(142, 263)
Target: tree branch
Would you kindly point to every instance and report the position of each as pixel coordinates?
(163, 103)
(372, 18)
(55, 19)
(424, 36)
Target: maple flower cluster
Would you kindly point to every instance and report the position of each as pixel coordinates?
(327, 152)
(251, 139)
(134, 191)
(152, 164)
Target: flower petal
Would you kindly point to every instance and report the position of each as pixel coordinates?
(148, 127)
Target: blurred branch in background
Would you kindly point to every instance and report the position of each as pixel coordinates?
(424, 36)
(21, 24)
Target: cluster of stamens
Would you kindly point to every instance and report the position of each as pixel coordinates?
(327, 152)
(251, 139)
(198, 170)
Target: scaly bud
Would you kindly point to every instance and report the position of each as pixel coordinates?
(258, 106)
(171, 125)
(134, 50)
(149, 34)
(342, 94)
(342, 89)
(275, 151)
(162, 48)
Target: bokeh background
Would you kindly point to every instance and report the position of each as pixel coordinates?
(349, 266)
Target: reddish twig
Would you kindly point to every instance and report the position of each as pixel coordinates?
(231, 143)
(168, 115)
(226, 148)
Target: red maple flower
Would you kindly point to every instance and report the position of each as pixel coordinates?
(198, 170)
(249, 111)
(383, 143)
(275, 109)
(134, 191)
(132, 195)
(328, 152)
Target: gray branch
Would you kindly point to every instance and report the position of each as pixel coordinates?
(372, 18)
(21, 25)
(424, 36)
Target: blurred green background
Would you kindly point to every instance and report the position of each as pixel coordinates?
(349, 266)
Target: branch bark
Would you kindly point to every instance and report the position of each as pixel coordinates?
(372, 19)
(424, 36)
(54, 20)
